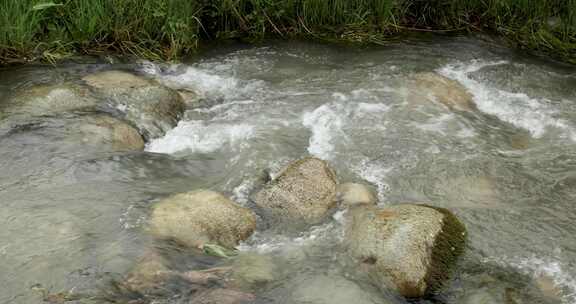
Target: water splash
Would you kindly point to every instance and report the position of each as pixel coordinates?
(207, 83)
(198, 137)
(517, 109)
(326, 124)
(538, 267)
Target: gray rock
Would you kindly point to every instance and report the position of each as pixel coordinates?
(409, 248)
(150, 106)
(304, 191)
(351, 194)
(202, 217)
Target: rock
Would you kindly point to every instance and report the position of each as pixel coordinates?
(148, 275)
(304, 191)
(444, 90)
(409, 248)
(222, 296)
(351, 194)
(150, 106)
(202, 217)
(331, 289)
(252, 270)
(548, 288)
(109, 133)
(49, 99)
(190, 98)
(469, 192)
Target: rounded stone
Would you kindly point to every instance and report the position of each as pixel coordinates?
(449, 92)
(151, 107)
(304, 191)
(202, 217)
(408, 248)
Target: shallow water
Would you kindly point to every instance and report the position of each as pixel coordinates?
(71, 218)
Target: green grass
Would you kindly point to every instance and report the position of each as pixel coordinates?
(168, 29)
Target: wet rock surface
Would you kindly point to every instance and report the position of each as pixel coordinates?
(435, 87)
(409, 248)
(150, 106)
(201, 217)
(304, 191)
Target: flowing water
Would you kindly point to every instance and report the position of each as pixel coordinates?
(69, 219)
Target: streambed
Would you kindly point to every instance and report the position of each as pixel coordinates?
(71, 220)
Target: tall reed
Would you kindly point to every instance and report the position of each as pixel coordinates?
(166, 29)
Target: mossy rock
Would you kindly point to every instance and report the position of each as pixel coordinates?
(410, 248)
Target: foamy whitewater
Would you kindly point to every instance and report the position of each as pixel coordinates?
(254, 119)
(518, 109)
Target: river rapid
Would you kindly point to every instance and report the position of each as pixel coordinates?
(71, 220)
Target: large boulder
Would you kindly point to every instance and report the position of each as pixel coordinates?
(49, 99)
(409, 248)
(202, 217)
(108, 133)
(304, 191)
(150, 106)
(433, 86)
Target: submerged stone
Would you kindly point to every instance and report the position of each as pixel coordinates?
(444, 90)
(49, 99)
(107, 132)
(148, 275)
(351, 194)
(409, 248)
(331, 289)
(150, 106)
(201, 217)
(222, 296)
(304, 191)
(252, 270)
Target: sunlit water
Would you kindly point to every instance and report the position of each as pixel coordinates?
(70, 218)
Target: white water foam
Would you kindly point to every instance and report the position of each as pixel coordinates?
(204, 82)
(376, 174)
(266, 243)
(326, 124)
(515, 108)
(199, 137)
(241, 193)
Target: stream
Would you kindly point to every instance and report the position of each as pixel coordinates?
(70, 220)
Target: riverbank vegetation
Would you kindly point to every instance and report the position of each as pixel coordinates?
(32, 30)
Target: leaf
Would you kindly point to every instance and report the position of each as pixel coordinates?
(45, 5)
(218, 251)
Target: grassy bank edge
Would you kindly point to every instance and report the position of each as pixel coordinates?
(167, 30)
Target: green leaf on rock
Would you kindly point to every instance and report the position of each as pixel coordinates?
(218, 251)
